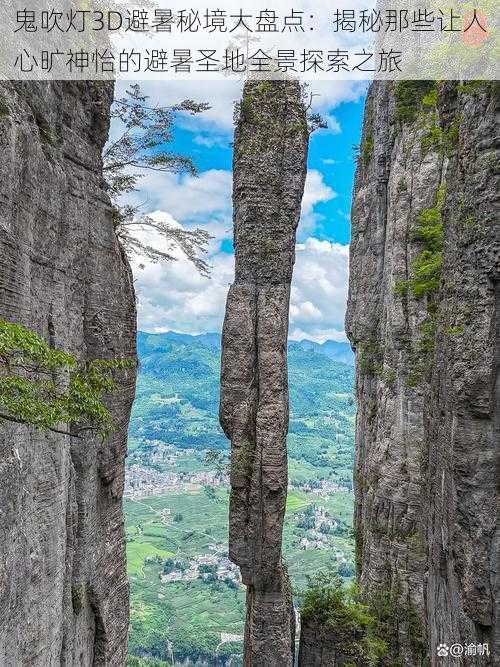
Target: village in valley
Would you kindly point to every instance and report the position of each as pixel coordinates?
(162, 477)
(185, 591)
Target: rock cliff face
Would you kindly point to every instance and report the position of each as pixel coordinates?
(63, 584)
(269, 173)
(423, 318)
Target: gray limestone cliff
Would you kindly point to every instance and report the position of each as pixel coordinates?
(63, 584)
(269, 173)
(423, 319)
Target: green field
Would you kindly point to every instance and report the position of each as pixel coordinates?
(194, 613)
(176, 406)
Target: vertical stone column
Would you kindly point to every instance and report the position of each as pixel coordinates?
(269, 172)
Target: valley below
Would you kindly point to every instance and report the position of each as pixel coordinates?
(187, 600)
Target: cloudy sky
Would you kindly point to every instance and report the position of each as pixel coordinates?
(174, 296)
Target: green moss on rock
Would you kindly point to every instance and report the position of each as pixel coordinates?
(343, 614)
(78, 592)
(409, 98)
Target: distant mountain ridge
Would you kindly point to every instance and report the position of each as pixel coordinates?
(179, 384)
(338, 351)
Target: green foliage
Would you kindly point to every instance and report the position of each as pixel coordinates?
(429, 226)
(135, 661)
(410, 96)
(427, 266)
(430, 99)
(147, 630)
(343, 612)
(394, 615)
(472, 87)
(17, 342)
(435, 137)
(455, 331)
(440, 140)
(244, 108)
(45, 387)
(425, 279)
(427, 272)
(195, 646)
(77, 595)
(366, 148)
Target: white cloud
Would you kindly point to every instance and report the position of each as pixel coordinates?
(327, 95)
(333, 125)
(319, 291)
(207, 199)
(315, 191)
(204, 200)
(212, 140)
(174, 296)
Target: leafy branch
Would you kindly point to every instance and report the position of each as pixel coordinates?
(143, 146)
(45, 387)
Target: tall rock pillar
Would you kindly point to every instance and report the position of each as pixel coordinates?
(269, 173)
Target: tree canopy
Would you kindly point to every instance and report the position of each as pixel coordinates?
(48, 388)
(146, 132)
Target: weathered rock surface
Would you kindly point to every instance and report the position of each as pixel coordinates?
(63, 584)
(426, 479)
(319, 647)
(269, 173)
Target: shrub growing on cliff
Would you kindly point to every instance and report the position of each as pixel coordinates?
(427, 266)
(425, 279)
(410, 95)
(343, 614)
(141, 147)
(48, 388)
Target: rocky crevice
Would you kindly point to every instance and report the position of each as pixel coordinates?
(269, 174)
(63, 583)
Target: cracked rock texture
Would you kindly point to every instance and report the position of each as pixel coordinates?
(63, 584)
(426, 475)
(269, 173)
